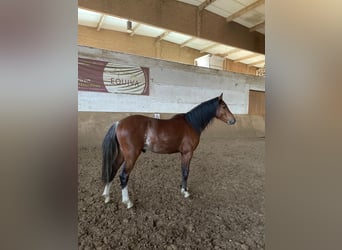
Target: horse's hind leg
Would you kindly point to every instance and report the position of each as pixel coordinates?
(105, 193)
(126, 169)
(124, 176)
(118, 162)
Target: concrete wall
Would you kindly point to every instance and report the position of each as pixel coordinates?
(174, 87)
(92, 127)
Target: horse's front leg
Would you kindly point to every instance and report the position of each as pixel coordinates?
(185, 165)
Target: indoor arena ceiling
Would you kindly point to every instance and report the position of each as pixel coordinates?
(249, 13)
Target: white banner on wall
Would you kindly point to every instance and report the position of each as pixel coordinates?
(101, 76)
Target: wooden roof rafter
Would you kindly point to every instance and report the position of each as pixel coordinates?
(230, 52)
(163, 35)
(246, 57)
(245, 10)
(100, 23)
(187, 41)
(134, 30)
(209, 47)
(205, 4)
(256, 63)
(257, 26)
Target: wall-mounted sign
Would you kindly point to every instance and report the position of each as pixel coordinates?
(100, 76)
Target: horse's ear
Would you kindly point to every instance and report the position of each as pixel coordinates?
(220, 97)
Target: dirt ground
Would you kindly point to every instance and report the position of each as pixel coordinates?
(225, 209)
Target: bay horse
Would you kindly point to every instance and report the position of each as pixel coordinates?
(127, 138)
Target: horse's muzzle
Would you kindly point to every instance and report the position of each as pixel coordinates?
(231, 121)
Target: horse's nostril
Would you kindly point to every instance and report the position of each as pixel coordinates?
(232, 121)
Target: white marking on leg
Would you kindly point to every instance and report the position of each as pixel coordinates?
(125, 198)
(107, 199)
(106, 192)
(185, 193)
(129, 204)
(106, 189)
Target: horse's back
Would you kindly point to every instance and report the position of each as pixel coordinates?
(141, 123)
(136, 124)
(134, 119)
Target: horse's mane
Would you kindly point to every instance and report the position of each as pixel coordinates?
(200, 116)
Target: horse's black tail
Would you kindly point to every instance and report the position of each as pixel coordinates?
(110, 151)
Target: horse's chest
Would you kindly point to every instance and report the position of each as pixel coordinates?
(148, 141)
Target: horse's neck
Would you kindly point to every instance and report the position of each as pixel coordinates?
(198, 123)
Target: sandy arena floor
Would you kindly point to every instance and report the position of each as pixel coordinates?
(225, 209)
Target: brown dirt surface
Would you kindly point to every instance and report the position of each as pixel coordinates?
(225, 209)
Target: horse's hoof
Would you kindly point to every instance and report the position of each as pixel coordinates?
(107, 199)
(185, 193)
(128, 203)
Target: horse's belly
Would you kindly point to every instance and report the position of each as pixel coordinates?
(163, 143)
(161, 148)
(164, 149)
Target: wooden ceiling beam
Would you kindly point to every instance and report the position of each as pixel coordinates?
(245, 57)
(201, 7)
(256, 63)
(245, 10)
(134, 29)
(230, 52)
(162, 36)
(255, 27)
(100, 23)
(183, 20)
(187, 41)
(205, 4)
(209, 47)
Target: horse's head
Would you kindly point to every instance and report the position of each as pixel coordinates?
(223, 113)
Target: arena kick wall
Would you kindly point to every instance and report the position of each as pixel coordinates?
(174, 88)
